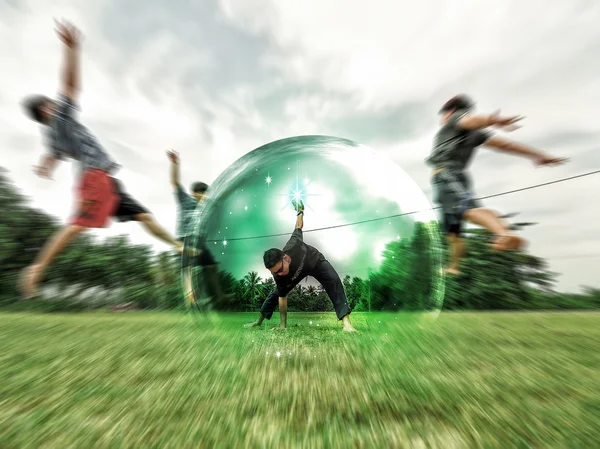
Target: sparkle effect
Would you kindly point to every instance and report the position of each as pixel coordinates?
(298, 193)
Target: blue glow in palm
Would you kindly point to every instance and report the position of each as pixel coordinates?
(298, 194)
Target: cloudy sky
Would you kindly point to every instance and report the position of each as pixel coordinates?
(216, 79)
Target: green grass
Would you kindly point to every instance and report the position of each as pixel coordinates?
(472, 380)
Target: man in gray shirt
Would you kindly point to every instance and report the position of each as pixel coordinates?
(198, 254)
(186, 203)
(460, 134)
(99, 195)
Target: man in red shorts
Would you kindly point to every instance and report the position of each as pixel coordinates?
(99, 195)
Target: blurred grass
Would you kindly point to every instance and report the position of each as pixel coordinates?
(163, 380)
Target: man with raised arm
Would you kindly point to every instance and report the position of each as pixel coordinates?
(461, 132)
(289, 266)
(198, 255)
(99, 195)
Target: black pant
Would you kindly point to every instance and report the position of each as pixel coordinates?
(331, 282)
(128, 206)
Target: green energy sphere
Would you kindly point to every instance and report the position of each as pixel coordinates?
(362, 212)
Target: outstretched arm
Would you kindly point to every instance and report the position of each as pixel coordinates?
(174, 158)
(479, 121)
(300, 220)
(299, 206)
(508, 146)
(46, 166)
(71, 76)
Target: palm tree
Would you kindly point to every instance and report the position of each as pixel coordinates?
(267, 286)
(253, 292)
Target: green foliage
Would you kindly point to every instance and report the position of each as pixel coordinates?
(496, 280)
(253, 291)
(51, 305)
(405, 279)
(119, 271)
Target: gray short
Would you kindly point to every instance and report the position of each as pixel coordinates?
(453, 192)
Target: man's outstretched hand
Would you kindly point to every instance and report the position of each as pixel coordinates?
(173, 156)
(549, 160)
(298, 205)
(67, 33)
(508, 123)
(253, 324)
(42, 172)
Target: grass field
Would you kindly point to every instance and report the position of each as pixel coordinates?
(468, 380)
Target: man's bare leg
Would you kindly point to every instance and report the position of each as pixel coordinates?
(152, 226)
(187, 286)
(256, 323)
(505, 238)
(347, 325)
(33, 274)
(457, 251)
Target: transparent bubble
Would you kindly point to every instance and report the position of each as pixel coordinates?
(362, 212)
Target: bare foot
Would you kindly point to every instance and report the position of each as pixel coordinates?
(30, 279)
(349, 329)
(249, 325)
(190, 298)
(508, 242)
(193, 252)
(452, 271)
(277, 329)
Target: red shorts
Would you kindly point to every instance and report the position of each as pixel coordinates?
(96, 199)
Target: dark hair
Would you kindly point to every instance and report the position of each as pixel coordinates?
(271, 257)
(32, 104)
(199, 187)
(458, 102)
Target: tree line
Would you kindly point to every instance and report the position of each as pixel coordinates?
(95, 273)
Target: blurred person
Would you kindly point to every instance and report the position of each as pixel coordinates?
(99, 195)
(461, 132)
(290, 266)
(186, 203)
(198, 254)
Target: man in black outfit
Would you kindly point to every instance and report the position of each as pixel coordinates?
(294, 263)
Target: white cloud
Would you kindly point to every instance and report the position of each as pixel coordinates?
(394, 51)
(335, 58)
